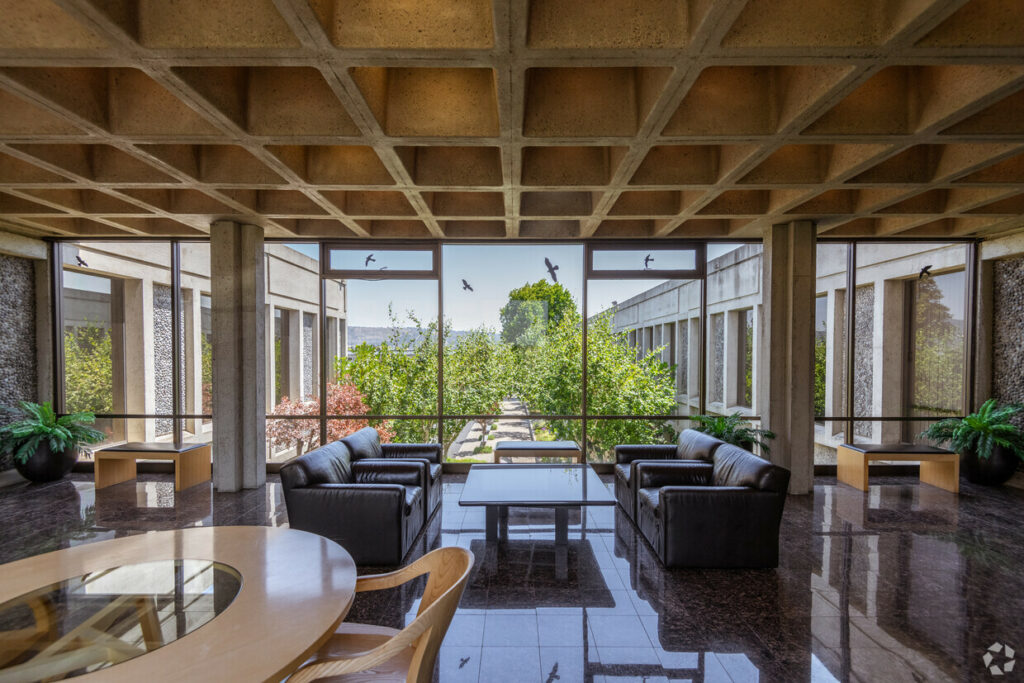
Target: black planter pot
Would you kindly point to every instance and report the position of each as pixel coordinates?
(46, 465)
(990, 471)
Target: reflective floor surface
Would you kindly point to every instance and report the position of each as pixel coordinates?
(903, 583)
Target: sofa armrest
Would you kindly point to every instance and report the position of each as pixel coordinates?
(627, 453)
(323, 507)
(430, 451)
(402, 472)
(656, 474)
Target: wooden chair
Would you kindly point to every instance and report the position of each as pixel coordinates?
(362, 652)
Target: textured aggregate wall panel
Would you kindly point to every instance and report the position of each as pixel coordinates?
(18, 330)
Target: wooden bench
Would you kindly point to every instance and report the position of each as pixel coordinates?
(538, 449)
(939, 467)
(116, 464)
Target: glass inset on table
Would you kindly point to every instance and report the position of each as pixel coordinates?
(91, 622)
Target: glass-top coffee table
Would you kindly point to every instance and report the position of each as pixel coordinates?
(561, 487)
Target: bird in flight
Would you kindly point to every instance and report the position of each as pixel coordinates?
(466, 286)
(553, 676)
(463, 661)
(368, 259)
(927, 270)
(647, 260)
(81, 262)
(551, 269)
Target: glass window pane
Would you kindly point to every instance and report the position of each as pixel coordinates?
(639, 334)
(830, 334)
(197, 339)
(604, 435)
(372, 259)
(387, 347)
(513, 339)
(909, 336)
(644, 259)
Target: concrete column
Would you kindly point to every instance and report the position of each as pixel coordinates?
(191, 308)
(291, 353)
(271, 359)
(786, 384)
(239, 356)
(888, 350)
(732, 361)
(139, 366)
(755, 353)
(983, 342)
(835, 353)
(693, 353)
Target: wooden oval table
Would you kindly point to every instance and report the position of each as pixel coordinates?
(296, 588)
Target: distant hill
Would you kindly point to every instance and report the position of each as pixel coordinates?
(375, 336)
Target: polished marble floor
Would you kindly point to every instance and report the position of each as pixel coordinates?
(904, 583)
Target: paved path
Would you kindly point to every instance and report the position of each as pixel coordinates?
(515, 429)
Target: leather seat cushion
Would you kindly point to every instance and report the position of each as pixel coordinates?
(649, 498)
(622, 472)
(435, 471)
(364, 444)
(413, 494)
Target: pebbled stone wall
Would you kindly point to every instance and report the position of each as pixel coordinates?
(18, 335)
(863, 363)
(1008, 331)
(308, 389)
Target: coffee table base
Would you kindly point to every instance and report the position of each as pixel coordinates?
(497, 523)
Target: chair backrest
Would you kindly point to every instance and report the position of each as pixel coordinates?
(694, 445)
(328, 464)
(449, 572)
(737, 467)
(364, 443)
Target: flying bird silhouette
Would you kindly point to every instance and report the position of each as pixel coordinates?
(553, 676)
(383, 268)
(927, 270)
(647, 259)
(81, 262)
(551, 269)
(466, 286)
(368, 259)
(463, 661)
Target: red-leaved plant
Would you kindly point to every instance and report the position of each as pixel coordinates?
(304, 435)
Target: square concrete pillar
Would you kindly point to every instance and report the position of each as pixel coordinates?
(888, 349)
(786, 385)
(191, 309)
(732, 360)
(835, 356)
(239, 356)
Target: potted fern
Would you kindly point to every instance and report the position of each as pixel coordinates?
(45, 447)
(734, 429)
(989, 444)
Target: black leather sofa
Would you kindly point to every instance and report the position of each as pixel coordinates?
(725, 513)
(691, 446)
(365, 445)
(374, 508)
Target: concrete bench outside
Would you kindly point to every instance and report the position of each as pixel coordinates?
(538, 449)
(939, 467)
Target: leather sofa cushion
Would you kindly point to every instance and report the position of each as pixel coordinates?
(694, 445)
(622, 472)
(737, 467)
(364, 444)
(435, 471)
(325, 465)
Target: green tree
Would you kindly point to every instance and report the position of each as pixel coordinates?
(619, 383)
(819, 374)
(88, 369)
(938, 352)
(534, 310)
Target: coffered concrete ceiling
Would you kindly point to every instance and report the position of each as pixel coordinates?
(522, 119)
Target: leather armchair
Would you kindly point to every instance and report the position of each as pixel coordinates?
(692, 446)
(720, 514)
(373, 508)
(365, 444)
